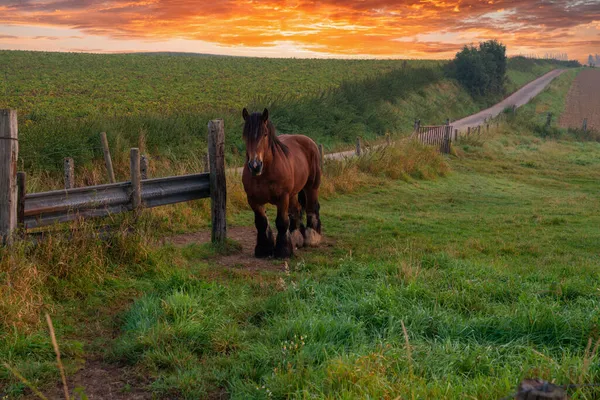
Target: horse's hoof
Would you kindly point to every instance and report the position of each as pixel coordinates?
(263, 251)
(312, 238)
(297, 239)
(284, 252)
(284, 249)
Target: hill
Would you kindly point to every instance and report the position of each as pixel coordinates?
(65, 100)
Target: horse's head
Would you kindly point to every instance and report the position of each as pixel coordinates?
(257, 137)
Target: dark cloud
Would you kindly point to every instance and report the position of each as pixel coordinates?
(334, 26)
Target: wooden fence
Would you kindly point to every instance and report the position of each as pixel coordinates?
(439, 136)
(20, 211)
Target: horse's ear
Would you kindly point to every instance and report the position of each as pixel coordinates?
(265, 115)
(245, 114)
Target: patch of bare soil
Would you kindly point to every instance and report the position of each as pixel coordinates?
(101, 381)
(245, 260)
(583, 101)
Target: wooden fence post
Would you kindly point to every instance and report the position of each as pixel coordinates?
(358, 147)
(107, 158)
(69, 173)
(456, 134)
(322, 155)
(218, 183)
(144, 167)
(21, 191)
(469, 131)
(136, 179)
(9, 154)
(549, 120)
(584, 125)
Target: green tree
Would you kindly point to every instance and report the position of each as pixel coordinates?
(482, 70)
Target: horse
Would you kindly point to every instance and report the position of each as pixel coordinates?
(285, 171)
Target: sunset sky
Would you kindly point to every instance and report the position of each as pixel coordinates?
(302, 28)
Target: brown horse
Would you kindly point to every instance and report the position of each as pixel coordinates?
(284, 171)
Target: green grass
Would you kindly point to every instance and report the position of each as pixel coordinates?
(493, 269)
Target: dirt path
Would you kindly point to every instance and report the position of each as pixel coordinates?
(583, 101)
(102, 381)
(519, 98)
(244, 260)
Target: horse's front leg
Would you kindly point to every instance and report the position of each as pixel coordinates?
(283, 246)
(265, 243)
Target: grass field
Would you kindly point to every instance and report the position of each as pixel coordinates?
(456, 279)
(162, 103)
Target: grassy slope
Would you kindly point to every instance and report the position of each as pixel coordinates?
(493, 270)
(162, 103)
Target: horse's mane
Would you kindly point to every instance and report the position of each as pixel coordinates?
(252, 126)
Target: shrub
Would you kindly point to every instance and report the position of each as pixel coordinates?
(482, 71)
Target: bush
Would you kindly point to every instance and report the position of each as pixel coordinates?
(482, 71)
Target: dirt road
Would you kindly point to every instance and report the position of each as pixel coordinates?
(583, 101)
(519, 98)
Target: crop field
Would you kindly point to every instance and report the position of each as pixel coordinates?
(583, 102)
(443, 277)
(162, 103)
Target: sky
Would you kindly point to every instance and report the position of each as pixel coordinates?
(430, 29)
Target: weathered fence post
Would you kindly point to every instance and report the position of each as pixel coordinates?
(469, 131)
(456, 134)
(107, 158)
(358, 147)
(549, 120)
(21, 191)
(584, 125)
(448, 139)
(218, 184)
(136, 179)
(9, 154)
(144, 166)
(69, 173)
(322, 155)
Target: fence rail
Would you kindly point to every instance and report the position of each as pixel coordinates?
(34, 210)
(47, 208)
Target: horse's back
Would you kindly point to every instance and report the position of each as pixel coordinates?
(304, 153)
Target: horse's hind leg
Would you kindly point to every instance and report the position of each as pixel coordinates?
(297, 229)
(313, 218)
(283, 245)
(265, 243)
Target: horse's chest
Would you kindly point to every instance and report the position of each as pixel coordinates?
(264, 191)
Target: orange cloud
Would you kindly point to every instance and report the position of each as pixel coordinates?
(348, 27)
